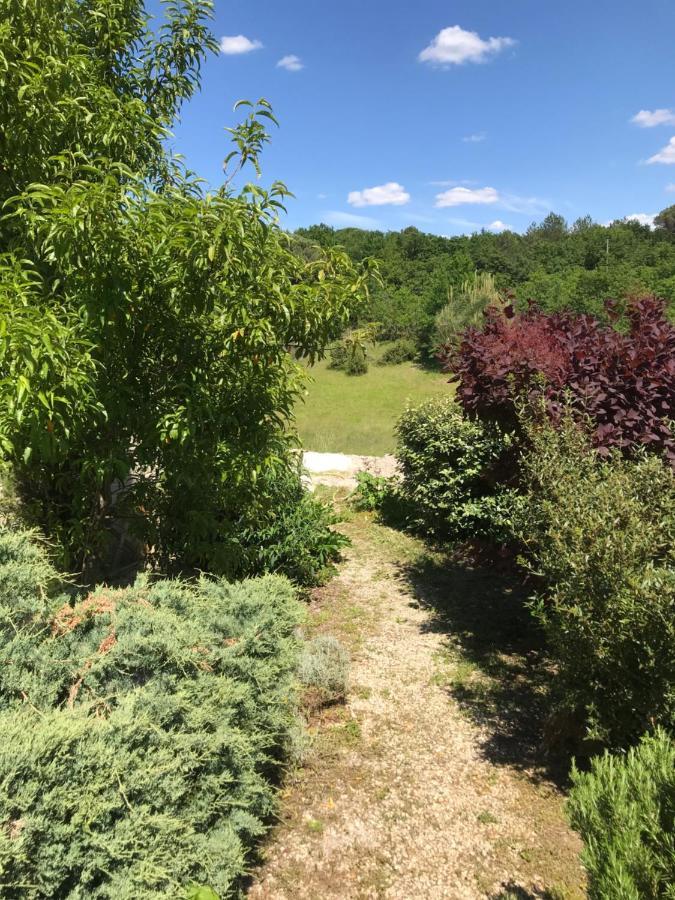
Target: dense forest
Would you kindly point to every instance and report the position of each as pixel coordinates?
(558, 265)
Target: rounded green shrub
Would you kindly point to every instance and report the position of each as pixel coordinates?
(324, 665)
(449, 473)
(357, 363)
(403, 350)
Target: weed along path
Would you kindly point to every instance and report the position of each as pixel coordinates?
(425, 784)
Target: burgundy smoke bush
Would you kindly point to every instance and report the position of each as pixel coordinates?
(624, 383)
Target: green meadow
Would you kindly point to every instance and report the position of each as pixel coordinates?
(357, 413)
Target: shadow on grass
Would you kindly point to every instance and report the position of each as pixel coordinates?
(493, 662)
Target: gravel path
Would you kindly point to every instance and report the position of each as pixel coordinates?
(396, 799)
(339, 469)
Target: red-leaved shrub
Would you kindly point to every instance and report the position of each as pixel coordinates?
(623, 383)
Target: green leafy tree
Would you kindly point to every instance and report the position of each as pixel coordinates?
(666, 220)
(145, 376)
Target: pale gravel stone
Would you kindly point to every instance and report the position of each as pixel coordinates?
(400, 810)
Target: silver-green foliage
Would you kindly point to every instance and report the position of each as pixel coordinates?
(601, 534)
(624, 809)
(465, 307)
(142, 730)
(324, 665)
(449, 466)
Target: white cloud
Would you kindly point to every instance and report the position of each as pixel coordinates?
(322, 196)
(390, 194)
(648, 118)
(454, 46)
(475, 138)
(457, 196)
(665, 156)
(335, 217)
(670, 188)
(291, 63)
(498, 225)
(642, 218)
(235, 44)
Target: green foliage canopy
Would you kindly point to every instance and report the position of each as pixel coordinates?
(145, 323)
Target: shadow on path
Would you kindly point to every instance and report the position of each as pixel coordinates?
(495, 665)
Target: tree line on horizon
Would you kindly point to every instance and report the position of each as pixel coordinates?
(558, 265)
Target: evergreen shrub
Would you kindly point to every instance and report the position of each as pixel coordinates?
(143, 730)
(624, 809)
(402, 350)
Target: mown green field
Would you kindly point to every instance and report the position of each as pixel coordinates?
(356, 414)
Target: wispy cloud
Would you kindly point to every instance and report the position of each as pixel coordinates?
(465, 223)
(642, 218)
(529, 206)
(390, 194)
(666, 155)
(335, 217)
(457, 196)
(474, 138)
(233, 45)
(451, 182)
(455, 46)
(291, 63)
(649, 118)
(670, 188)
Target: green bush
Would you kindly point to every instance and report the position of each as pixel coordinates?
(370, 492)
(403, 350)
(624, 809)
(449, 466)
(338, 356)
(324, 665)
(601, 534)
(357, 363)
(143, 730)
(291, 535)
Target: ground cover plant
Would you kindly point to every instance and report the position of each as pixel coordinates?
(146, 322)
(145, 728)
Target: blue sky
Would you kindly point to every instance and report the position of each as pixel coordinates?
(450, 116)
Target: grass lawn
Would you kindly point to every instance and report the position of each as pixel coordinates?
(356, 414)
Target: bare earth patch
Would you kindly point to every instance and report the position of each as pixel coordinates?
(397, 797)
(339, 470)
